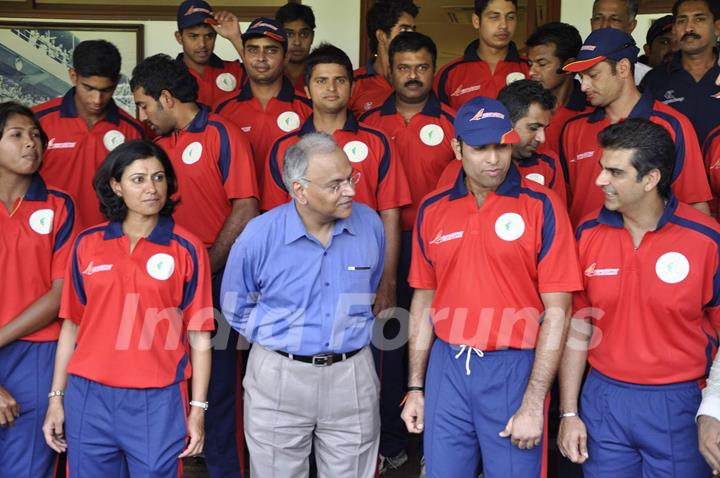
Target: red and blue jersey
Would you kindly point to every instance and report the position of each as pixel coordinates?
(213, 163)
(658, 305)
(74, 152)
(580, 154)
(370, 89)
(34, 247)
(281, 115)
(134, 308)
(219, 79)
(489, 265)
(382, 182)
(423, 145)
(711, 153)
(469, 76)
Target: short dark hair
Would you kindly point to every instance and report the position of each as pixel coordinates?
(632, 7)
(652, 146)
(519, 95)
(412, 42)
(327, 53)
(161, 72)
(565, 37)
(713, 6)
(115, 163)
(481, 5)
(97, 58)
(295, 11)
(13, 108)
(384, 15)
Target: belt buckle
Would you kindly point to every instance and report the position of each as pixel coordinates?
(322, 360)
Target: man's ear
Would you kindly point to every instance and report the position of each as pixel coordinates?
(72, 74)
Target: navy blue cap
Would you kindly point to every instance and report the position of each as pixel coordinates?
(604, 44)
(194, 12)
(483, 121)
(660, 26)
(266, 27)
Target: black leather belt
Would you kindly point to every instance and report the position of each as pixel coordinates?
(319, 360)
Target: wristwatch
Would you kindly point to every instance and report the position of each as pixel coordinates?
(195, 403)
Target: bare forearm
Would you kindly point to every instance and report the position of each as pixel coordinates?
(65, 350)
(242, 211)
(391, 224)
(201, 359)
(40, 313)
(572, 365)
(421, 336)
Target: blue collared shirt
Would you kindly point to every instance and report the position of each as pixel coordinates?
(284, 290)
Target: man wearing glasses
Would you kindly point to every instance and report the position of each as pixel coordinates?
(382, 185)
(299, 286)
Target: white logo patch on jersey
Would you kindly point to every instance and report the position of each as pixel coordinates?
(41, 221)
(672, 267)
(226, 81)
(161, 266)
(113, 139)
(356, 151)
(192, 153)
(432, 134)
(288, 121)
(510, 226)
(513, 77)
(538, 178)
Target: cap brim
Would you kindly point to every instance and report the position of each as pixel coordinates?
(485, 137)
(582, 65)
(270, 35)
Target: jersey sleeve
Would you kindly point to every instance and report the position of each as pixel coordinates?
(74, 299)
(422, 270)
(235, 162)
(558, 267)
(691, 183)
(712, 163)
(65, 226)
(273, 188)
(393, 189)
(197, 303)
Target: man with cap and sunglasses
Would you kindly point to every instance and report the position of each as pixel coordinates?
(267, 106)
(605, 64)
(493, 269)
(198, 27)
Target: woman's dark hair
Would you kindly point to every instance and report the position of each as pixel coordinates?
(12, 108)
(652, 147)
(111, 205)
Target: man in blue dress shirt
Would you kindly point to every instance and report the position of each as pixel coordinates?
(299, 285)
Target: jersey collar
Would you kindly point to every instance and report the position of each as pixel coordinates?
(214, 61)
(643, 109)
(68, 110)
(509, 187)
(295, 229)
(161, 235)
(432, 106)
(37, 190)
(470, 53)
(287, 91)
(351, 125)
(615, 218)
(200, 121)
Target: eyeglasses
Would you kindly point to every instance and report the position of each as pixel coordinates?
(336, 186)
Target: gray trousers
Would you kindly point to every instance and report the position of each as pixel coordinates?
(291, 406)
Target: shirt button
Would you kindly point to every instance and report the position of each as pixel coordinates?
(327, 344)
(327, 284)
(324, 253)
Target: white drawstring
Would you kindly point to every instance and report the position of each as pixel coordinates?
(469, 350)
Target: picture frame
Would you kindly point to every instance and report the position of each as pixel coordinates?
(35, 58)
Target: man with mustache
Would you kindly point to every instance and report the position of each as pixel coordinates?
(421, 128)
(299, 23)
(490, 62)
(213, 162)
(687, 83)
(605, 65)
(267, 106)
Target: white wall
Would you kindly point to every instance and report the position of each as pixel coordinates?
(578, 13)
(338, 21)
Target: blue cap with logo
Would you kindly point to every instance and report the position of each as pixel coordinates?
(483, 121)
(194, 12)
(266, 27)
(604, 44)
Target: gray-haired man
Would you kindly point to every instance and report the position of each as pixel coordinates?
(299, 285)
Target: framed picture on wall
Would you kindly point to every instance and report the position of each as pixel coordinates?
(35, 58)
